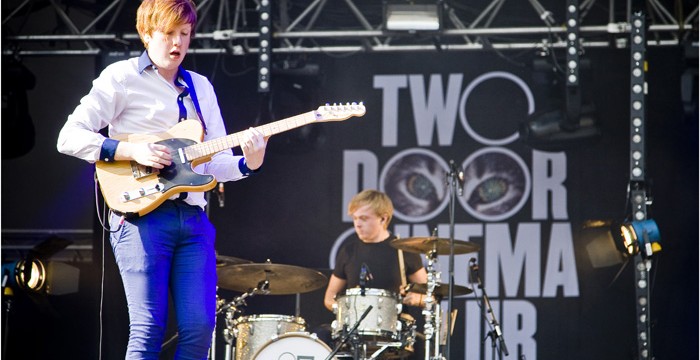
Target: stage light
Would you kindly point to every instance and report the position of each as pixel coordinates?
(640, 237)
(412, 17)
(36, 276)
(609, 243)
(576, 123)
(560, 129)
(28, 275)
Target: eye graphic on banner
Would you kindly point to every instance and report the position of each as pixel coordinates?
(415, 181)
(496, 184)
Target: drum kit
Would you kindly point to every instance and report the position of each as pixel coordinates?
(369, 323)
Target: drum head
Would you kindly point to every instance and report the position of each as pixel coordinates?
(293, 346)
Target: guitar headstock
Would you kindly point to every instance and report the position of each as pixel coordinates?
(339, 112)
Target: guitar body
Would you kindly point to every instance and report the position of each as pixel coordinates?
(147, 188)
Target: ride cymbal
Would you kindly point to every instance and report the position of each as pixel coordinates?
(424, 245)
(284, 279)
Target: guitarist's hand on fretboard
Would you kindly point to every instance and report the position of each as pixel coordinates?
(147, 154)
(253, 147)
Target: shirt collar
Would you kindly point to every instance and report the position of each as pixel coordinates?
(144, 62)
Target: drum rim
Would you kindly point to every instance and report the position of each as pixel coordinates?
(263, 317)
(302, 334)
(356, 291)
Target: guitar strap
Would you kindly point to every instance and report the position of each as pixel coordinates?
(185, 75)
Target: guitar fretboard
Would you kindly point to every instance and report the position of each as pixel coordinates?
(211, 147)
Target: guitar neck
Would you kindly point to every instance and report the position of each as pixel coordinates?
(211, 147)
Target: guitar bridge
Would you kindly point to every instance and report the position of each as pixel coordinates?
(140, 171)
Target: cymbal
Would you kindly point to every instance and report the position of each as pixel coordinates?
(424, 245)
(441, 289)
(284, 279)
(223, 260)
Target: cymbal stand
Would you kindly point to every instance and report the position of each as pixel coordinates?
(431, 310)
(231, 309)
(454, 180)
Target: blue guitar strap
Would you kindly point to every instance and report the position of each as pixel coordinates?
(193, 94)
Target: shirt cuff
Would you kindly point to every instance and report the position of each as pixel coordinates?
(245, 170)
(109, 149)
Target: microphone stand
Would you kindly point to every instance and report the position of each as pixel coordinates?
(231, 308)
(353, 333)
(495, 334)
(454, 179)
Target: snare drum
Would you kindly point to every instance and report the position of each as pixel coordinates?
(253, 332)
(293, 346)
(381, 322)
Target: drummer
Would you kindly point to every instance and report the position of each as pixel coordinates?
(371, 255)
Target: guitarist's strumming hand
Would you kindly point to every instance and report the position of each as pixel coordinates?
(147, 154)
(253, 147)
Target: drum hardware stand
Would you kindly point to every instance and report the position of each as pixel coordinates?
(431, 310)
(231, 308)
(454, 179)
(496, 335)
(351, 334)
(396, 344)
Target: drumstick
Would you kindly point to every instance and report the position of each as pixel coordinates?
(402, 269)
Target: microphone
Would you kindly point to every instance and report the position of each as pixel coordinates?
(365, 277)
(474, 272)
(457, 175)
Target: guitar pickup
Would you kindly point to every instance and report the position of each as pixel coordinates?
(141, 192)
(140, 171)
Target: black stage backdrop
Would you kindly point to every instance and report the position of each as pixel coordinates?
(524, 207)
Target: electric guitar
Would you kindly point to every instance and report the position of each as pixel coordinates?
(134, 189)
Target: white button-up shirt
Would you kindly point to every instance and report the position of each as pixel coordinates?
(131, 97)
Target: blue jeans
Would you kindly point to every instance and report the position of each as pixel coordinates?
(169, 249)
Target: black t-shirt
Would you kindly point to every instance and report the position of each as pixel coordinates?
(381, 259)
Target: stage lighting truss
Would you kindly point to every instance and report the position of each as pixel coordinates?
(265, 48)
(572, 43)
(638, 90)
(641, 234)
(313, 26)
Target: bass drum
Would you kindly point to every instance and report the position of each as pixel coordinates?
(293, 346)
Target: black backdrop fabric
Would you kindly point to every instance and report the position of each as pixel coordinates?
(524, 207)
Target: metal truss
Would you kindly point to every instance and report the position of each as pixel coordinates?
(83, 27)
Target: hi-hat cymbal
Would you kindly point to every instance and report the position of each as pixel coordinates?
(424, 245)
(284, 279)
(441, 289)
(223, 260)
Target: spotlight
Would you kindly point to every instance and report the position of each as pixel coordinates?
(575, 125)
(35, 276)
(412, 17)
(609, 243)
(639, 237)
(559, 129)
(28, 275)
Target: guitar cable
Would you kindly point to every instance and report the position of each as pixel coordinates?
(100, 212)
(100, 219)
